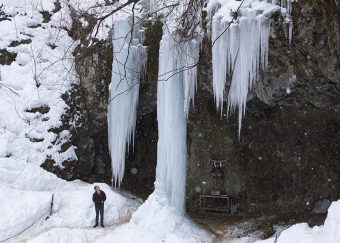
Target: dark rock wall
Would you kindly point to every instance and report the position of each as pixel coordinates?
(86, 116)
(288, 154)
(94, 68)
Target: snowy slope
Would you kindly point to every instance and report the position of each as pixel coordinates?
(32, 84)
(25, 199)
(155, 221)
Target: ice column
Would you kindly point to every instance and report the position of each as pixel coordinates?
(129, 57)
(239, 53)
(176, 88)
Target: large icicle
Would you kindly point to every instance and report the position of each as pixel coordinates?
(247, 59)
(240, 35)
(238, 53)
(176, 88)
(129, 57)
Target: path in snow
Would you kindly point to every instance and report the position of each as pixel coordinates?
(57, 234)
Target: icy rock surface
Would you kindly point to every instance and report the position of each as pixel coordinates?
(129, 57)
(321, 206)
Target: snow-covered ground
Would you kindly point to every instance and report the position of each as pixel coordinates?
(302, 233)
(26, 191)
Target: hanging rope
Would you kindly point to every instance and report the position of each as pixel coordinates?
(48, 210)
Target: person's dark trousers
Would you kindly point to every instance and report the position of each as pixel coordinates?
(100, 209)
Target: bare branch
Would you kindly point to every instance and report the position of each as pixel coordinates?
(10, 89)
(234, 18)
(101, 19)
(178, 70)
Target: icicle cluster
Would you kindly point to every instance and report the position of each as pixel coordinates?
(129, 58)
(238, 53)
(176, 88)
(287, 7)
(240, 35)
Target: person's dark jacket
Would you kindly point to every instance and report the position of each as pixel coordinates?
(99, 199)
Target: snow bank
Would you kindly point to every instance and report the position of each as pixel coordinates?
(74, 235)
(20, 208)
(302, 233)
(26, 191)
(73, 214)
(25, 176)
(155, 221)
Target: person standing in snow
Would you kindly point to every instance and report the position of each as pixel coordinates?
(99, 198)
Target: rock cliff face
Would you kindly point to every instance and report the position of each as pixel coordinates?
(288, 154)
(287, 157)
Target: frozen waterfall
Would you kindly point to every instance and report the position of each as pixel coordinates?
(238, 53)
(129, 57)
(240, 34)
(176, 88)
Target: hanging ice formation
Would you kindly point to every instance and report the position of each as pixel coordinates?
(129, 58)
(240, 35)
(287, 12)
(176, 88)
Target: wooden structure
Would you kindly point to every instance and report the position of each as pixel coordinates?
(220, 203)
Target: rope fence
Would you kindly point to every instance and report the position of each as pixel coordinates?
(48, 210)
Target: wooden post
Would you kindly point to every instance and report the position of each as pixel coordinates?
(51, 204)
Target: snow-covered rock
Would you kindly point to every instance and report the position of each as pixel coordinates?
(42, 70)
(302, 233)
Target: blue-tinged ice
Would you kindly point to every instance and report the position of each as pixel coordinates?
(176, 88)
(129, 58)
